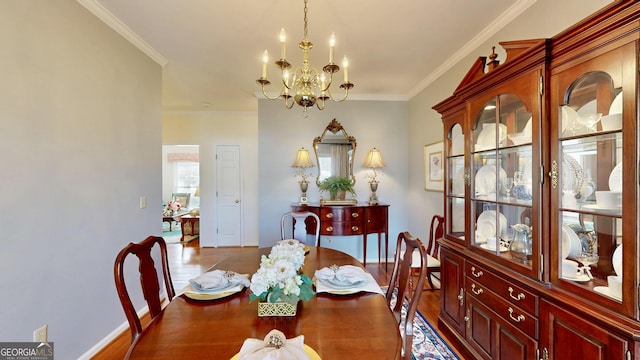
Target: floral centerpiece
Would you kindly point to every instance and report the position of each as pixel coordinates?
(172, 208)
(279, 278)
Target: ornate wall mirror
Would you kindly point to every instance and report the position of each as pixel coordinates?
(335, 151)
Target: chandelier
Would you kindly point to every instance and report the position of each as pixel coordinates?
(306, 85)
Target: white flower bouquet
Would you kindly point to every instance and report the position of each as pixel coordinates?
(279, 277)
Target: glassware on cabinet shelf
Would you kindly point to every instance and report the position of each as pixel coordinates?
(508, 186)
(522, 186)
(521, 247)
(587, 188)
(590, 121)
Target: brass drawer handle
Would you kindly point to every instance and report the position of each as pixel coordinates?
(461, 296)
(474, 273)
(516, 298)
(477, 292)
(354, 228)
(329, 228)
(354, 215)
(518, 318)
(329, 215)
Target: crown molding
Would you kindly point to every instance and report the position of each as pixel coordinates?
(113, 22)
(500, 22)
(226, 113)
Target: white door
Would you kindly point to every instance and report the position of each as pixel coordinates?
(228, 192)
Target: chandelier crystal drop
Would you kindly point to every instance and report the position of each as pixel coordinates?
(306, 86)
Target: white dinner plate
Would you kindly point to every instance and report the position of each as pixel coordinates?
(571, 244)
(570, 121)
(616, 105)
(341, 285)
(604, 290)
(485, 180)
(571, 173)
(457, 180)
(493, 249)
(589, 108)
(579, 278)
(527, 127)
(616, 260)
(313, 355)
(457, 145)
(487, 137)
(595, 207)
(486, 224)
(331, 289)
(615, 178)
(200, 295)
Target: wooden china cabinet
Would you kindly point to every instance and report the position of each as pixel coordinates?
(542, 158)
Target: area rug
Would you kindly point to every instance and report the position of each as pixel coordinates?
(173, 236)
(427, 343)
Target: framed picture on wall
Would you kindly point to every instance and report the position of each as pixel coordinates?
(433, 163)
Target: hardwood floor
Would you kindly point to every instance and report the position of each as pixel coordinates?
(189, 260)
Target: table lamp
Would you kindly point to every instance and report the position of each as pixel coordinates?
(373, 161)
(302, 162)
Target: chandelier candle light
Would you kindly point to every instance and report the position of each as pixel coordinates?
(308, 85)
(302, 162)
(373, 161)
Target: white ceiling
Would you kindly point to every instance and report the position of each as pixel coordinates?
(211, 50)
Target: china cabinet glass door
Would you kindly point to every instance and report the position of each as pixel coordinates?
(595, 149)
(503, 178)
(457, 180)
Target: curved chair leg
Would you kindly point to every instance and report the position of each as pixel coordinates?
(430, 282)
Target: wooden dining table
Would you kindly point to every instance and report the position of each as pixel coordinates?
(356, 326)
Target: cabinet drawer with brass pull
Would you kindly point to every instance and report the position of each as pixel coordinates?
(504, 287)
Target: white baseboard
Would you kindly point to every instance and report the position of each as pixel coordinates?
(115, 333)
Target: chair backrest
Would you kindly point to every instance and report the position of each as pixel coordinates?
(148, 280)
(436, 232)
(182, 199)
(298, 222)
(399, 284)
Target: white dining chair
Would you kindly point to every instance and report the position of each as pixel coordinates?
(298, 222)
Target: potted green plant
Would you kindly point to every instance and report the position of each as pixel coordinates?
(337, 186)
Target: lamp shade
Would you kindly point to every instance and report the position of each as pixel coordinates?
(197, 193)
(302, 159)
(373, 160)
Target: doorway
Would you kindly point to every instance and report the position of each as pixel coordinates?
(180, 183)
(229, 195)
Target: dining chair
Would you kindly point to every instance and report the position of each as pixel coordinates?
(148, 280)
(436, 231)
(400, 289)
(298, 221)
(433, 249)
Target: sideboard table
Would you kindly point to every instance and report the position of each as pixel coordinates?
(344, 220)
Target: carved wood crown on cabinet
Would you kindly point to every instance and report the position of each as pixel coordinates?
(520, 150)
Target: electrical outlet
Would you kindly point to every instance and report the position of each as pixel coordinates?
(143, 202)
(329, 239)
(40, 334)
